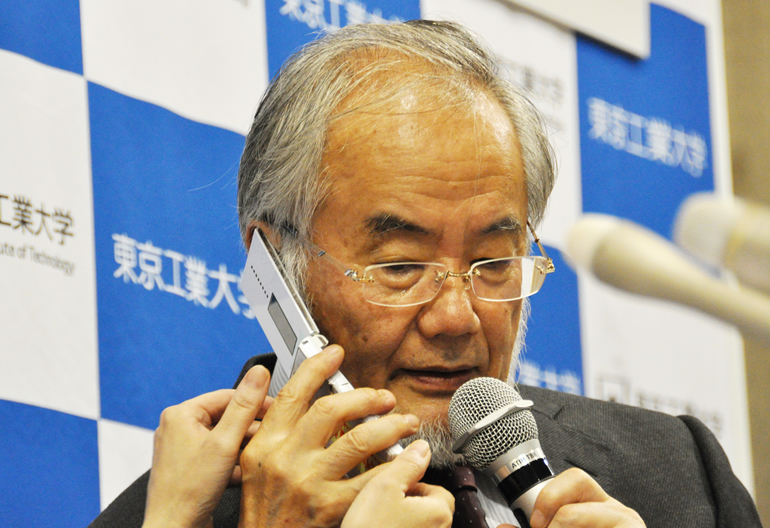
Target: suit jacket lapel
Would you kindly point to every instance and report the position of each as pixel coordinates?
(565, 446)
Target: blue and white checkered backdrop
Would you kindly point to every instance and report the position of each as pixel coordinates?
(121, 126)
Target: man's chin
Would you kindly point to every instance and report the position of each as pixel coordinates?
(436, 433)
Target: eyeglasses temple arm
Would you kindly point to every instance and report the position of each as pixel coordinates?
(318, 252)
(292, 231)
(550, 268)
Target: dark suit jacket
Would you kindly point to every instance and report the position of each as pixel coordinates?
(671, 470)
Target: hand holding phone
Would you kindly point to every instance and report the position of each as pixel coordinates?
(291, 476)
(287, 322)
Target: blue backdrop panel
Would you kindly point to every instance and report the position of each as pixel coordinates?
(45, 30)
(553, 335)
(49, 475)
(172, 321)
(293, 23)
(644, 125)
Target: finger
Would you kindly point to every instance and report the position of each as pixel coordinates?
(605, 514)
(294, 398)
(253, 428)
(348, 489)
(570, 487)
(205, 409)
(265, 407)
(422, 490)
(208, 408)
(243, 407)
(365, 440)
(410, 466)
(405, 470)
(328, 414)
(430, 493)
(236, 477)
(377, 484)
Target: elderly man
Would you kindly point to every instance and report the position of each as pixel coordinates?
(401, 153)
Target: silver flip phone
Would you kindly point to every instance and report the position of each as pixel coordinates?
(286, 321)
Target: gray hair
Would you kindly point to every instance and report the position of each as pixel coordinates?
(280, 181)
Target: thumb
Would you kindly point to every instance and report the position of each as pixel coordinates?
(409, 467)
(243, 408)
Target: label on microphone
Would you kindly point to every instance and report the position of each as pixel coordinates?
(519, 462)
(518, 457)
(518, 482)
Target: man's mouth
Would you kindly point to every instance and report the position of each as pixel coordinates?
(437, 380)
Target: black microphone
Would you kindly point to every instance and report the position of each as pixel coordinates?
(490, 425)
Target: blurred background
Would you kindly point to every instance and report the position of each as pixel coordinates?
(747, 59)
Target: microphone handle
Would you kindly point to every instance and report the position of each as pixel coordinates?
(523, 506)
(520, 474)
(638, 261)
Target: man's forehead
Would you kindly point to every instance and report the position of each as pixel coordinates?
(389, 82)
(416, 130)
(426, 105)
(420, 167)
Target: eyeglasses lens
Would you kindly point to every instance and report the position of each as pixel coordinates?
(412, 283)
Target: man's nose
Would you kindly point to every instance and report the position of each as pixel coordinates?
(451, 312)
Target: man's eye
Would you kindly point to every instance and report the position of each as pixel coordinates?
(403, 269)
(490, 261)
(496, 265)
(398, 276)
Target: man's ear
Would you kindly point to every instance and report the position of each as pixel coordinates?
(273, 235)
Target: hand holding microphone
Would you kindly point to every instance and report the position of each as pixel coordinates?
(489, 423)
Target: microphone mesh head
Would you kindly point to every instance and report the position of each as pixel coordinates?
(474, 401)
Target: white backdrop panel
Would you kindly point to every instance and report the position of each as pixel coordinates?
(539, 57)
(125, 453)
(657, 355)
(203, 59)
(46, 233)
(624, 24)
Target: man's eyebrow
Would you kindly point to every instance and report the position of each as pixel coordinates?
(383, 223)
(506, 224)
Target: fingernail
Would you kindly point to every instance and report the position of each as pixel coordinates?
(387, 396)
(262, 376)
(333, 351)
(420, 447)
(537, 519)
(256, 376)
(412, 420)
